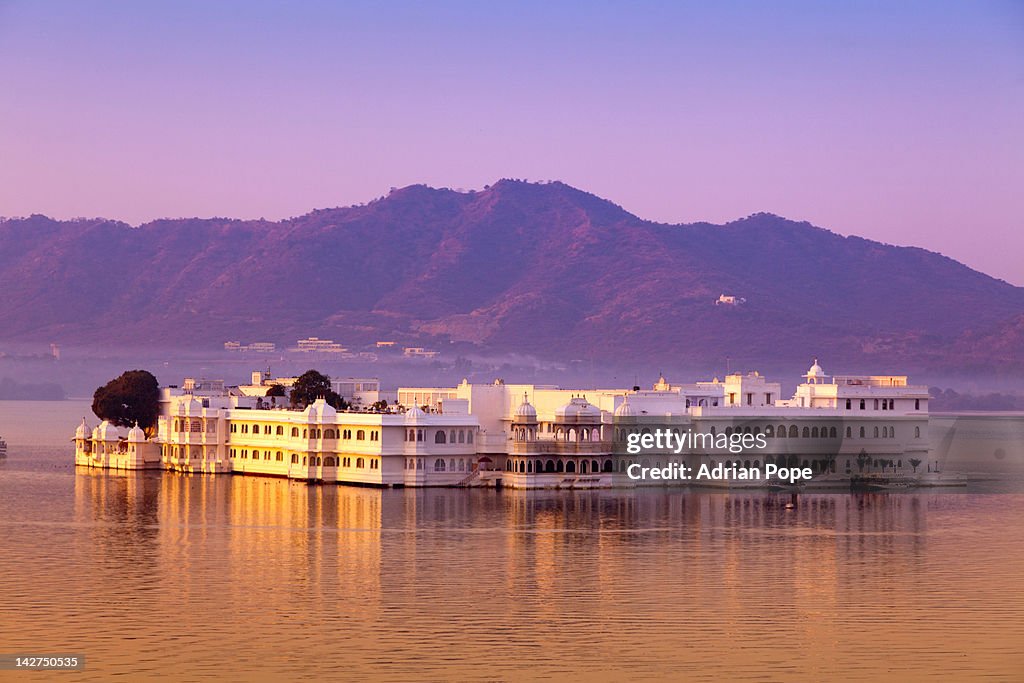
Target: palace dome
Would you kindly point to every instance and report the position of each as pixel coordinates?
(320, 411)
(84, 431)
(106, 432)
(625, 409)
(816, 370)
(525, 411)
(136, 433)
(414, 413)
(578, 409)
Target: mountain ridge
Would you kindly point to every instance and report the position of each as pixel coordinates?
(540, 268)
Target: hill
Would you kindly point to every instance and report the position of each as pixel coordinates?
(544, 269)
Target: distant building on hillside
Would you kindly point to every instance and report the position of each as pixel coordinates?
(730, 300)
(258, 347)
(318, 345)
(418, 352)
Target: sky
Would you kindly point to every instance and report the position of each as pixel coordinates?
(897, 121)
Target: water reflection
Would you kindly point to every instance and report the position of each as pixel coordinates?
(170, 573)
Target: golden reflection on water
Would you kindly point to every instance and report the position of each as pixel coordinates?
(243, 578)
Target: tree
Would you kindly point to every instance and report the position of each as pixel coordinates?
(914, 462)
(276, 390)
(133, 397)
(379, 406)
(312, 385)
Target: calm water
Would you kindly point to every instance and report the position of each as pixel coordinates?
(232, 578)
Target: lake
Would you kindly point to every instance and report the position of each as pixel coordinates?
(164, 575)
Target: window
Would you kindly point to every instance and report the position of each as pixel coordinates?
(255, 429)
(806, 433)
(295, 431)
(279, 431)
(361, 435)
(245, 452)
(862, 404)
(266, 429)
(469, 436)
(245, 429)
(439, 463)
(876, 432)
(280, 456)
(360, 463)
(234, 428)
(917, 404)
(439, 437)
(917, 432)
(295, 459)
(862, 432)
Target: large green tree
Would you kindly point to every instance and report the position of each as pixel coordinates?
(312, 385)
(132, 397)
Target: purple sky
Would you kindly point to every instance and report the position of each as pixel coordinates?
(902, 122)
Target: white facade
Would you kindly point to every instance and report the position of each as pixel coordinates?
(527, 435)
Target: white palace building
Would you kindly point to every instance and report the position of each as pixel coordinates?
(527, 435)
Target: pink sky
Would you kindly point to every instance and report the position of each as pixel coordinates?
(899, 122)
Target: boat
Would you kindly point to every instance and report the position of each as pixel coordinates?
(3, 448)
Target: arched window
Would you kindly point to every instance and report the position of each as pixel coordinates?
(608, 466)
(279, 431)
(328, 462)
(876, 432)
(361, 435)
(266, 429)
(570, 466)
(769, 431)
(419, 435)
(793, 432)
(439, 463)
(469, 436)
(295, 431)
(451, 437)
(583, 467)
(862, 404)
(549, 466)
(439, 436)
(462, 436)
(807, 433)
(917, 404)
(917, 432)
(280, 456)
(862, 432)
(814, 432)
(849, 432)
(295, 459)
(831, 432)
(849, 404)
(255, 429)
(360, 463)
(559, 466)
